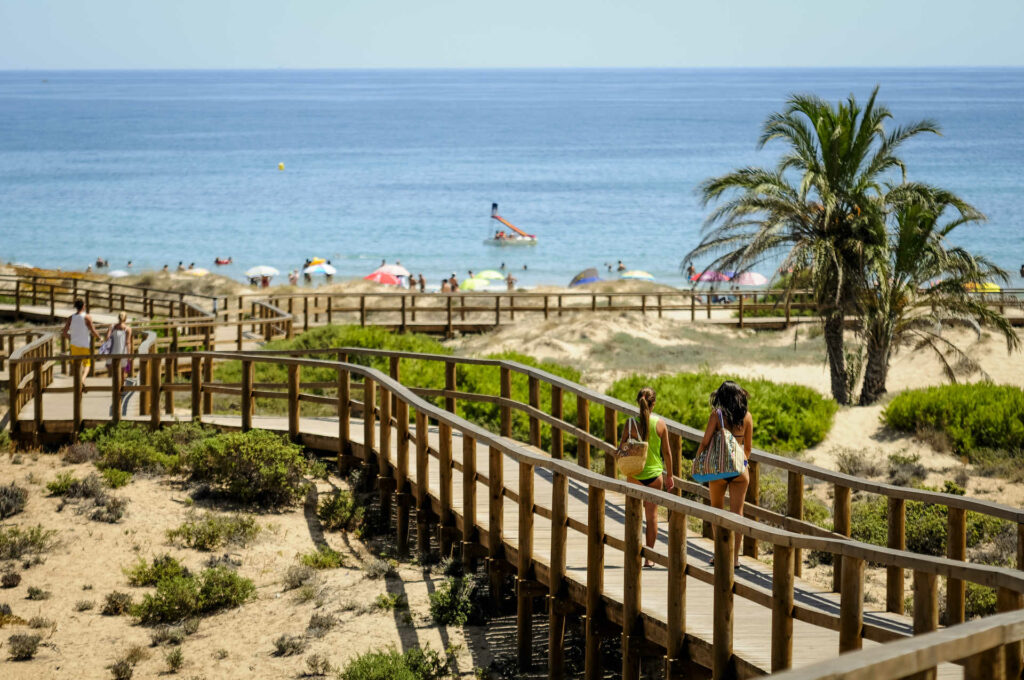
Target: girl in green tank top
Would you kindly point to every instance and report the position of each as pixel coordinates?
(656, 473)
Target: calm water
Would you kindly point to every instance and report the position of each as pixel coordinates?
(159, 167)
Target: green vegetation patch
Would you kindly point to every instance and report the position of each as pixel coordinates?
(458, 601)
(181, 596)
(414, 664)
(324, 557)
(211, 531)
(17, 542)
(787, 418)
(974, 416)
(144, 573)
(338, 512)
(12, 499)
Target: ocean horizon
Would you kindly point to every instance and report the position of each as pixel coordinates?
(159, 167)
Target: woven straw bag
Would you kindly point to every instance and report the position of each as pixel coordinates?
(632, 454)
(722, 459)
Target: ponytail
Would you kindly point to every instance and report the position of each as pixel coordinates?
(645, 399)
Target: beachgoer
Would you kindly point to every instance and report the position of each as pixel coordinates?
(470, 274)
(657, 472)
(621, 267)
(79, 329)
(293, 277)
(191, 266)
(445, 287)
(412, 282)
(510, 282)
(691, 273)
(88, 269)
(129, 264)
(165, 269)
(502, 266)
(423, 284)
(120, 336)
(453, 283)
(524, 267)
(1022, 271)
(729, 409)
(264, 281)
(383, 261)
(254, 281)
(99, 263)
(181, 266)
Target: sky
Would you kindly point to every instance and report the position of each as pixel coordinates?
(230, 34)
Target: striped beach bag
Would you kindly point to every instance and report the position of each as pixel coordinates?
(722, 459)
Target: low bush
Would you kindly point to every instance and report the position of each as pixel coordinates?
(16, 542)
(131, 447)
(289, 645)
(12, 500)
(321, 624)
(376, 568)
(39, 622)
(339, 512)
(324, 557)
(115, 478)
(906, 470)
(787, 418)
(144, 573)
(181, 597)
(122, 669)
(858, 463)
(298, 575)
(109, 508)
(390, 601)
(250, 467)
(84, 605)
(318, 666)
(979, 601)
(457, 601)
(211, 531)
(36, 593)
(10, 579)
(415, 664)
(116, 604)
(174, 659)
(80, 452)
(973, 416)
(22, 647)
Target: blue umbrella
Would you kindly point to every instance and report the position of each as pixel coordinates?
(585, 276)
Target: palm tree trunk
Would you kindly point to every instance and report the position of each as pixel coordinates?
(836, 359)
(877, 369)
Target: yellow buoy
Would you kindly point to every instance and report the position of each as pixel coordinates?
(280, 166)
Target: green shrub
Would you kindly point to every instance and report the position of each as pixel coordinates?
(16, 542)
(12, 499)
(414, 664)
(84, 605)
(339, 511)
(211, 531)
(39, 622)
(180, 597)
(906, 470)
(457, 601)
(5, 441)
(116, 604)
(973, 416)
(61, 484)
(149, 574)
(131, 447)
(115, 478)
(36, 593)
(250, 467)
(23, 647)
(787, 418)
(324, 557)
(289, 645)
(979, 601)
(174, 659)
(389, 601)
(10, 579)
(773, 495)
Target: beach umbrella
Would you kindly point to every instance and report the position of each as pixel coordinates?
(393, 269)
(261, 270)
(474, 284)
(198, 271)
(710, 276)
(22, 264)
(317, 260)
(321, 268)
(750, 279)
(987, 287)
(490, 274)
(383, 277)
(118, 273)
(637, 274)
(585, 276)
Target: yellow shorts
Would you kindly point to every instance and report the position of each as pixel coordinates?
(77, 351)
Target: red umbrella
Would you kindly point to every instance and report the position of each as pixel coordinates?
(382, 277)
(710, 275)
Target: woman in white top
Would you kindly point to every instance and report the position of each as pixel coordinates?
(120, 336)
(79, 330)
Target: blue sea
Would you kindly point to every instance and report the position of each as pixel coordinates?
(167, 166)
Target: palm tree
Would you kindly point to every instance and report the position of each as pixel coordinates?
(821, 208)
(920, 285)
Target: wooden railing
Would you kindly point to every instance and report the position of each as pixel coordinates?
(395, 406)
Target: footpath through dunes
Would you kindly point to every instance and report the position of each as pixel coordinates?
(573, 534)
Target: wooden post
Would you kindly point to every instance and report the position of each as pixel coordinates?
(115, 391)
(583, 422)
(495, 518)
(207, 379)
(305, 312)
(557, 448)
(676, 619)
(1006, 601)
(693, 306)
(422, 484)
(76, 376)
(851, 603)
(444, 462)
(506, 410)
(840, 525)
(344, 424)
(611, 436)
(402, 475)
(384, 474)
(782, 607)
(753, 497)
(524, 568)
(197, 388)
(294, 378)
(534, 388)
(169, 365)
(985, 665)
(154, 387)
(795, 509)
(632, 637)
(468, 500)
(707, 298)
(595, 582)
(788, 295)
(369, 418)
(956, 549)
(402, 325)
(556, 578)
(448, 329)
(741, 310)
(545, 307)
(722, 665)
(449, 385)
(330, 311)
(53, 304)
(247, 408)
(897, 540)
(926, 612)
